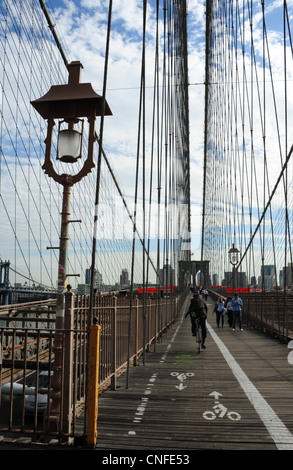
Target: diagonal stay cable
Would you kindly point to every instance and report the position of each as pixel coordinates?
(267, 204)
(51, 26)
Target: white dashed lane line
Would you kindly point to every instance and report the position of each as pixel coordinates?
(138, 417)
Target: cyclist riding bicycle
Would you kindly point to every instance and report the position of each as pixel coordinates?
(198, 309)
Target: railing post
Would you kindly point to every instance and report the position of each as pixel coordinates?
(135, 332)
(136, 324)
(68, 364)
(113, 344)
(93, 385)
(148, 328)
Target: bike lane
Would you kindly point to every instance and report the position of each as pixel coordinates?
(194, 402)
(182, 400)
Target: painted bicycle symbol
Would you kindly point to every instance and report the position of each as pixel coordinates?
(181, 377)
(219, 411)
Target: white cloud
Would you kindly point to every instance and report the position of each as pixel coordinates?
(82, 28)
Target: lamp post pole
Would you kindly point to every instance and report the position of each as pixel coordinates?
(234, 279)
(55, 409)
(68, 103)
(233, 258)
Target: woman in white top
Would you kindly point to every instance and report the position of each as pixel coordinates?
(220, 311)
(229, 308)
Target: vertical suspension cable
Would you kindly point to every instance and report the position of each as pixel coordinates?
(140, 124)
(97, 195)
(240, 128)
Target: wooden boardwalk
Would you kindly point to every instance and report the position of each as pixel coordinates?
(235, 395)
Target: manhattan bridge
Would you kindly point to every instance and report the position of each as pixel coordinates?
(98, 239)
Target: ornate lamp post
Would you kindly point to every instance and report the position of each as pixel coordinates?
(234, 260)
(67, 104)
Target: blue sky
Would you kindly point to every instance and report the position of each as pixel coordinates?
(82, 27)
(30, 219)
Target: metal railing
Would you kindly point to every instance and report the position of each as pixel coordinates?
(27, 356)
(269, 312)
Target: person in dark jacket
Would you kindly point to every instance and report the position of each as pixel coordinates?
(198, 309)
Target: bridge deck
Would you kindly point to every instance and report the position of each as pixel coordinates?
(235, 395)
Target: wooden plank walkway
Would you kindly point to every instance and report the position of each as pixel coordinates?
(235, 395)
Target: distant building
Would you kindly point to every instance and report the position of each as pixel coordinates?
(267, 270)
(167, 274)
(288, 275)
(98, 279)
(124, 278)
(83, 289)
(267, 280)
(241, 279)
(253, 281)
(215, 279)
(281, 278)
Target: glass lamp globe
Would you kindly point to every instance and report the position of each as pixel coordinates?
(69, 145)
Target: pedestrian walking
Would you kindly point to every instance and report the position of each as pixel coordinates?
(228, 305)
(204, 293)
(237, 305)
(220, 311)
